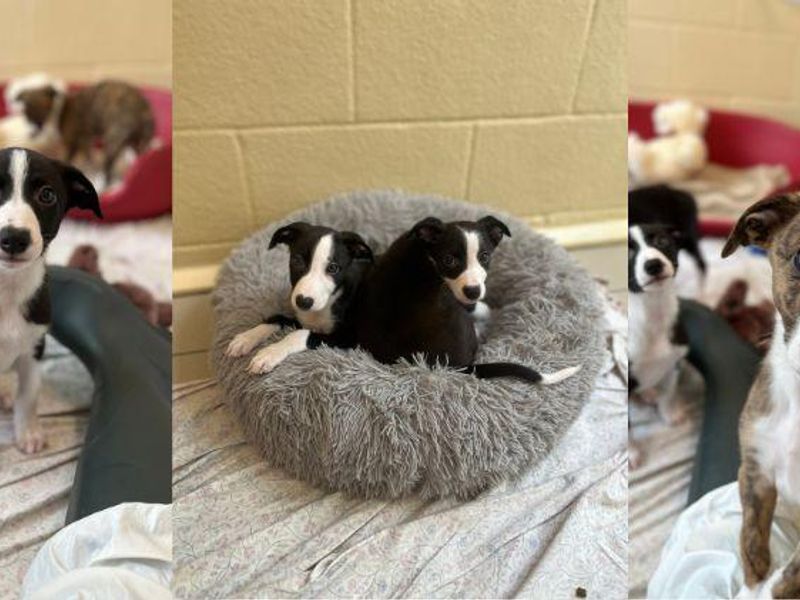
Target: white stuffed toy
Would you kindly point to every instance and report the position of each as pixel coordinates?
(678, 153)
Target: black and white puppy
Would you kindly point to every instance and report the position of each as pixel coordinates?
(656, 345)
(35, 194)
(665, 205)
(325, 269)
(413, 300)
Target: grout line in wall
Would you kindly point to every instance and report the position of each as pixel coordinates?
(251, 209)
(472, 143)
(675, 24)
(352, 100)
(207, 246)
(585, 44)
(445, 121)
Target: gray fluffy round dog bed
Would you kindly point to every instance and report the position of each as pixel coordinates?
(340, 420)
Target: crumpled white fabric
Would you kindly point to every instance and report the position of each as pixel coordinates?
(701, 556)
(122, 552)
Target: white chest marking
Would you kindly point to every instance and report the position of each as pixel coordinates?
(777, 434)
(319, 321)
(651, 320)
(17, 335)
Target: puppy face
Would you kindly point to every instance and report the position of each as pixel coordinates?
(461, 252)
(321, 261)
(35, 193)
(774, 225)
(652, 257)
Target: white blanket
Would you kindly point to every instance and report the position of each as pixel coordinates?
(244, 529)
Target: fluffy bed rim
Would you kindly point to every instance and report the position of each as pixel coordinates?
(342, 421)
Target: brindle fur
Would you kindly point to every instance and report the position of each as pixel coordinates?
(112, 111)
(772, 224)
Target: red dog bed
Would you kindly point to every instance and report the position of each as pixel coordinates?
(734, 140)
(146, 190)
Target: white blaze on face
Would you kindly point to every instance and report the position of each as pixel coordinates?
(15, 212)
(474, 275)
(316, 283)
(645, 253)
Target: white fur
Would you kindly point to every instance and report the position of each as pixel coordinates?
(23, 133)
(270, 357)
(474, 275)
(557, 376)
(651, 320)
(18, 213)
(18, 283)
(644, 254)
(244, 342)
(777, 434)
(316, 283)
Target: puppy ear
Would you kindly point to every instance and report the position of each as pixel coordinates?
(288, 234)
(80, 191)
(494, 228)
(356, 245)
(759, 224)
(428, 230)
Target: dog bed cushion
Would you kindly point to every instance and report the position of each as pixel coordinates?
(343, 421)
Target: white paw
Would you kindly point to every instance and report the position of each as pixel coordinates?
(244, 342)
(31, 439)
(267, 359)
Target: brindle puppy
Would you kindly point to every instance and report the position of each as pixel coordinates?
(769, 429)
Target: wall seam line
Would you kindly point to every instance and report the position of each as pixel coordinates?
(586, 34)
(251, 209)
(472, 144)
(351, 41)
(433, 121)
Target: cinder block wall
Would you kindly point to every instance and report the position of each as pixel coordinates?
(742, 55)
(518, 104)
(85, 40)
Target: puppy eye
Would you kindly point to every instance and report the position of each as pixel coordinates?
(483, 257)
(449, 260)
(47, 196)
(796, 262)
(333, 268)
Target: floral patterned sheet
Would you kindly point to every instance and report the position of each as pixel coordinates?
(34, 490)
(243, 529)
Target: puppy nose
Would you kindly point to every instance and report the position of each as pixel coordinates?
(472, 292)
(654, 267)
(14, 240)
(303, 302)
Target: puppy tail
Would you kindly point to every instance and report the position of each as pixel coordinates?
(502, 369)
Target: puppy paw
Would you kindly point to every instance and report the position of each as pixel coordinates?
(31, 439)
(635, 457)
(244, 342)
(267, 359)
(675, 415)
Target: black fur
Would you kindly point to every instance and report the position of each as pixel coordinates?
(405, 308)
(71, 190)
(660, 237)
(353, 258)
(661, 204)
